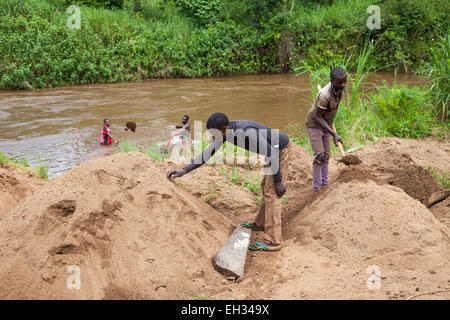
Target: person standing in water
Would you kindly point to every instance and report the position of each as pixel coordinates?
(106, 137)
(319, 122)
(184, 130)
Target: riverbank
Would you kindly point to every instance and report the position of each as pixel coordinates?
(168, 40)
(105, 212)
(22, 165)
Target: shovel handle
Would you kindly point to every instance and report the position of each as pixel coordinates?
(341, 149)
(339, 144)
(171, 136)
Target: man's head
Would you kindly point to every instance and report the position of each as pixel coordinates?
(338, 78)
(218, 121)
(106, 122)
(185, 119)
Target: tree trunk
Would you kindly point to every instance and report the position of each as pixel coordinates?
(137, 5)
(292, 6)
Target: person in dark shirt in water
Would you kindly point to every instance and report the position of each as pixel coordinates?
(185, 130)
(257, 138)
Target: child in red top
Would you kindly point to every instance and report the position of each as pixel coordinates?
(106, 137)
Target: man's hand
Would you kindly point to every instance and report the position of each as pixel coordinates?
(117, 142)
(336, 139)
(172, 174)
(280, 189)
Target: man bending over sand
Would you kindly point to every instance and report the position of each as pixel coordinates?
(256, 138)
(319, 122)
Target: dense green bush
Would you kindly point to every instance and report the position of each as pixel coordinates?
(97, 3)
(440, 77)
(233, 37)
(203, 11)
(405, 111)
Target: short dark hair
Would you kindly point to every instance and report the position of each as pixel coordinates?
(186, 116)
(337, 73)
(104, 120)
(217, 121)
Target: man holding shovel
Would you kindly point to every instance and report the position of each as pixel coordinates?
(319, 122)
(256, 138)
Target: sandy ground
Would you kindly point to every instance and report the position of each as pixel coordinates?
(134, 234)
(15, 188)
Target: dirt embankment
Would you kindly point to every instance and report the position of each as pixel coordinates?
(132, 233)
(215, 185)
(135, 234)
(15, 187)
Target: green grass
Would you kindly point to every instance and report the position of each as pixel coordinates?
(397, 111)
(42, 168)
(442, 179)
(366, 116)
(222, 170)
(440, 77)
(285, 199)
(5, 160)
(152, 150)
(22, 165)
(252, 185)
(234, 175)
(199, 296)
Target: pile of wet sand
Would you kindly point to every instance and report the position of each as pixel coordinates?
(350, 159)
(399, 169)
(363, 220)
(132, 233)
(15, 187)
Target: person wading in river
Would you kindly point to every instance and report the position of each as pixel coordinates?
(319, 121)
(185, 130)
(106, 137)
(256, 138)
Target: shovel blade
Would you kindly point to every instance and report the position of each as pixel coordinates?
(230, 260)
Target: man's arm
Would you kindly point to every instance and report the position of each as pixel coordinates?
(114, 139)
(183, 128)
(198, 161)
(319, 112)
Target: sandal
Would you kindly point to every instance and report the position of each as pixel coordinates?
(264, 246)
(251, 226)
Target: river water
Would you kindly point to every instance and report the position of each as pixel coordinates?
(63, 125)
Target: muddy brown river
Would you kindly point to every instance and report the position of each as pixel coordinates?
(63, 125)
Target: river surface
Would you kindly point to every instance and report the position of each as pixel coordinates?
(63, 125)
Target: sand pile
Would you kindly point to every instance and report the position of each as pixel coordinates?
(424, 153)
(300, 169)
(364, 221)
(132, 233)
(397, 168)
(15, 187)
(441, 211)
